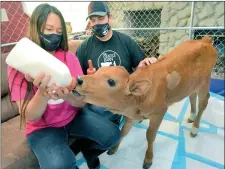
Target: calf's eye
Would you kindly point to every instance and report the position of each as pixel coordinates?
(111, 83)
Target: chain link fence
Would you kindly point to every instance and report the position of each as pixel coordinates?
(160, 26)
(156, 26)
(218, 42)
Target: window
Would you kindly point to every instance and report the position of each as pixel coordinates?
(148, 40)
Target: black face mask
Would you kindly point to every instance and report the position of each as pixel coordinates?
(50, 42)
(101, 30)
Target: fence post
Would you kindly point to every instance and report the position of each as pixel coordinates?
(191, 19)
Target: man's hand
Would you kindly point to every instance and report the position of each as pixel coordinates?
(91, 70)
(147, 61)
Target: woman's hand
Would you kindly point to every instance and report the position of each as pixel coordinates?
(40, 81)
(147, 61)
(37, 105)
(55, 93)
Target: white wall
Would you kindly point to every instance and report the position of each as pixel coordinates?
(74, 12)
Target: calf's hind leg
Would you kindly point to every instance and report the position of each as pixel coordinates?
(203, 97)
(192, 116)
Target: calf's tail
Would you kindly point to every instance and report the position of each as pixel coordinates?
(207, 39)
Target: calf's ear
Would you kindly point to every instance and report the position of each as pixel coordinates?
(138, 87)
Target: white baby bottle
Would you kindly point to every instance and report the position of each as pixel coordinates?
(28, 57)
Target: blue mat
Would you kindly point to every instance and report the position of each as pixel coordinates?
(173, 147)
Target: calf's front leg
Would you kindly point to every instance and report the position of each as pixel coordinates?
(155, 121)
(124, 131)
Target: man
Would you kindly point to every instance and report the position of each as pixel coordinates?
(108, 48)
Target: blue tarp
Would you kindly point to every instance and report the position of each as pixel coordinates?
(217, 86)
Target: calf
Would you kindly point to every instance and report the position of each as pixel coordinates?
(149, 91)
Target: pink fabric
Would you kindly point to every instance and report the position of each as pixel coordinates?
(55, 115)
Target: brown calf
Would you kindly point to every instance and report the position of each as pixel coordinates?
(149, 91)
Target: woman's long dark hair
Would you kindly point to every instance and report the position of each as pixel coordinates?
(37, 23)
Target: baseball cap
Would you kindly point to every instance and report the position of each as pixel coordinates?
(98, 8)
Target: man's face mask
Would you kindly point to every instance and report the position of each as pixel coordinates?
(50, 42)
(101, 30)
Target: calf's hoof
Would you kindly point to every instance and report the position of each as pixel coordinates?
(193, 135)
(194, 131)
(111, 151)
(189, 120)
(147, 165)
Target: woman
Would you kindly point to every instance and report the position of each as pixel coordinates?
(52, 113)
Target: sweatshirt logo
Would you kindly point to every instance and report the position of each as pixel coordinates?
(109, 58)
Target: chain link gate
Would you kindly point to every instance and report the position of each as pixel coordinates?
(159, 26)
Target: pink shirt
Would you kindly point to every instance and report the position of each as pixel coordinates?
(58, 113)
